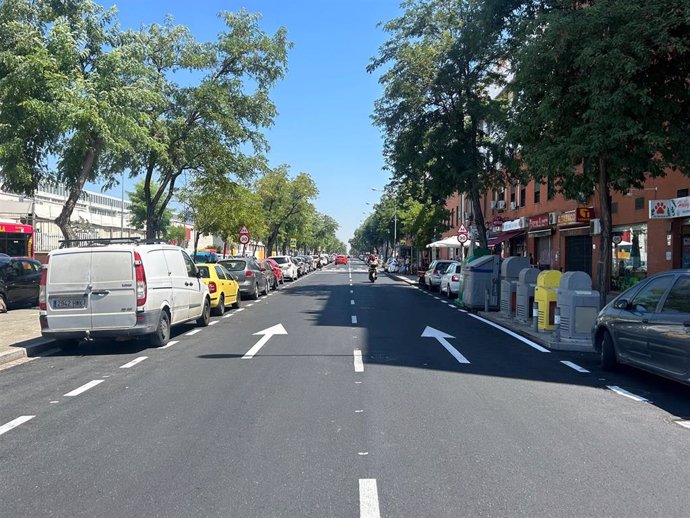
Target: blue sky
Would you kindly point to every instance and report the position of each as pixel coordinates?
(326, 99)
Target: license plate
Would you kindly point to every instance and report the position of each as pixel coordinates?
(72, 303)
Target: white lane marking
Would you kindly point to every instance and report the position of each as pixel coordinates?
(213, 323)
(627, 394)
(53, 402)
(350, 284)
(362, 453)
(169, 344)
(84, 388)
(238, 310)
(359, 411)
(133, 362)
(352, 302)
(228, 315)
(354, 319)
(574, 366)
(256, 347)
(359, 365)
(193, 332)
(250, 305)
(684, 424)
(437, 298)
(511, 333)
(15, 422)
(368, 498)
(352, 291)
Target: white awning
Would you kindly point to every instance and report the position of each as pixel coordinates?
(449, 242)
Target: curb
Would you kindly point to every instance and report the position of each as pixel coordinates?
(26, 349)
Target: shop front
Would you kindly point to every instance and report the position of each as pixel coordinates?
(541, 234)
(629, 255)
(676, 212)
(576, 239)
(510, 240)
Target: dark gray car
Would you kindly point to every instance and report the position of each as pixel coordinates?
(20, 279)
(249, 275)
(648, 326)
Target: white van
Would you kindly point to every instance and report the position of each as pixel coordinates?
(120, 290)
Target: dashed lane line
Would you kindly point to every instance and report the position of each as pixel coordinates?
(84, 388)
(354, 319)
(133, 362)
(15, 422)
(368, 498)
(524, 340)
(169, 344)
(358, 363)
(575, 366)
(193, 332)
(625, 393)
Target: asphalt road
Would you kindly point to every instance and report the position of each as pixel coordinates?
(351, 413)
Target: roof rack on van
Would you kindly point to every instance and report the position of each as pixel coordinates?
(71, 243)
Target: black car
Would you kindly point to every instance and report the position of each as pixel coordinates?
(648, 326)
(20, 279)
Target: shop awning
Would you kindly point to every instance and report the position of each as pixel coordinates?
(449, 242)
(504, 236)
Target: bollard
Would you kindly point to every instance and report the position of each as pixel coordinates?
(535, 316)
(486, 300)
(557, 323)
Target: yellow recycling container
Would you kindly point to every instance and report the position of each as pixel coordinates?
(546, 296)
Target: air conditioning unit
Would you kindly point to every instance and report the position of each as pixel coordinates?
(553, 218)
(501, 204)
(595, 227)
(493, 204)
(513, 205)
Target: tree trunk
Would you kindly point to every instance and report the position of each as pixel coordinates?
(604, 265)
(197, 235)
(63, 220)
(479, 219)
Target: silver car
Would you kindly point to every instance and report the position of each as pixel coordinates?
(249, 275)
(432, 277)
(287, 265)
(450, 280)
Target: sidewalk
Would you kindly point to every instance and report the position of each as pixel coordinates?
(20, 335)
(546, 339)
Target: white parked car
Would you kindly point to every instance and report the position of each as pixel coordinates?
(290, 270)
(120, 290)
(450, 280)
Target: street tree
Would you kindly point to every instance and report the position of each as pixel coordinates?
(213, 127)
(601, 99)
(138, 213)
(441, 125)
(72, 92)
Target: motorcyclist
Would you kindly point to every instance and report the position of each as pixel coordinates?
(372, 259)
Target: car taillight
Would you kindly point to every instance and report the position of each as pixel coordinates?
(454, 278)
(212, 287)
(249, 273)
(42, 289)
(141, 280)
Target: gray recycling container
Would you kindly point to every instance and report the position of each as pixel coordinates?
(578, 305)
(510, 271)
(479, 275)
(527, 281)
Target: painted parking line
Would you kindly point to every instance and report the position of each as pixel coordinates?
(524, 340)
(228, 315)
(238, 310)
(625, 393)
(133, 362)
(368, 498)
(213, 323)
(15, 422)
(193, 332)
(84, 388)
(169, 344)
(354, 319)
(359, 364)
(352, 302)
(575, 366)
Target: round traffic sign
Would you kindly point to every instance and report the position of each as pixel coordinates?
(244, 239)
(462, 237)
(617, 239)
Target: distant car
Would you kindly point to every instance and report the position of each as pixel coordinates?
(276, 271)
(340, 259)
(450, 280)
(269, 273)
(287, 265)
(648, 326)
(251, 279)
(20, 279)
(204, 257)
(301, 266)
(222, 286)
(432, 277)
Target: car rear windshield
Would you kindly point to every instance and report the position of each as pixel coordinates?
(234, 266)
(441, 267)
(203, 271)
(280, 260)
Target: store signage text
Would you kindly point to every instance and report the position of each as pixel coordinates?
(665, 209)
(539, 221)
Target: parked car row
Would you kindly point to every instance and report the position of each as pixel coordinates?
(19, 281)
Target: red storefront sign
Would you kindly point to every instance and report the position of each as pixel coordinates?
(584, 214)
(542, 220)
(16, 228)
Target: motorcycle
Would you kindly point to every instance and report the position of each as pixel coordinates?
(372, 272)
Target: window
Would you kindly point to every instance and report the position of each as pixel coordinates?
(647, 299)
(550, 190)
(537, 192)
(523, 195)
(219, 272)
(512, 193)
(682, 193)
(639, 203)
(678, 300)
(191, 267)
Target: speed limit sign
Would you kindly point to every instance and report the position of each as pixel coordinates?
(244, 239)
(462, 238)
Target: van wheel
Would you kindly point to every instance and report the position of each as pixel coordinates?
(220, 308)
(205, 317)
(608, 353)
(162, 334)
(67, 345)
(237, 300)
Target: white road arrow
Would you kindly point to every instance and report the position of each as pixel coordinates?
(430, 332)
(277, 329)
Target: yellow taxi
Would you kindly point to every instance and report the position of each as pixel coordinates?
(222, 286)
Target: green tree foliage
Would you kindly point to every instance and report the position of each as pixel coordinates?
(438, 118)
(601, 98)
(284, 202)
(138, 213)
(72, 88)
(207, 128)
